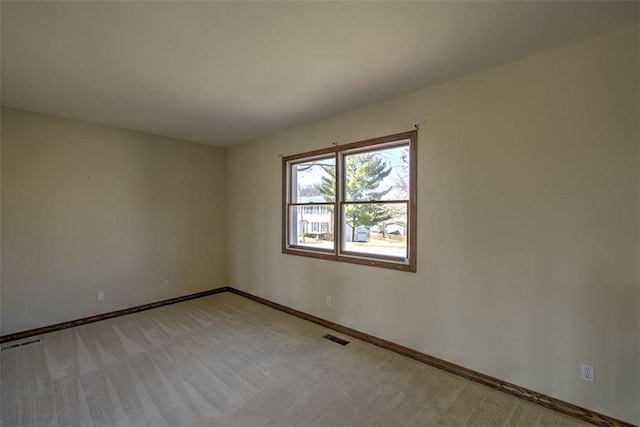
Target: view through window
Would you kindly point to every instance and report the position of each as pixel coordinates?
(353, 203)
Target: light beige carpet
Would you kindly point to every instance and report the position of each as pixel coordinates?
(226, 360)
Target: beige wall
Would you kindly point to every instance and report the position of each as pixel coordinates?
(88, 208)
(527, 224)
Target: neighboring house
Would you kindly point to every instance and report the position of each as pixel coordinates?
(397, 227)
(317, 220)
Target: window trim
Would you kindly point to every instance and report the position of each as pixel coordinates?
(337, 254)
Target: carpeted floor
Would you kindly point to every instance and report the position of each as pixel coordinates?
(226, 360)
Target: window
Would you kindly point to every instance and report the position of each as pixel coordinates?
(353, 203)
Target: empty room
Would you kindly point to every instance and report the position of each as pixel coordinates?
(389, 213)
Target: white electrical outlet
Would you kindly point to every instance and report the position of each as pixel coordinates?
(587, 372)
(100, 296)
(165, 284)
(328, 301)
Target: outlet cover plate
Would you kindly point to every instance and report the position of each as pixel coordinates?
(587, 372)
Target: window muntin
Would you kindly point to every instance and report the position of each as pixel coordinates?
(353, 203)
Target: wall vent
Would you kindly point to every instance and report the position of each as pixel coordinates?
(336, 339)
(21, 344)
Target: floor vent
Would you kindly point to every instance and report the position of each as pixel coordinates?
(336, 339)
(21, 344)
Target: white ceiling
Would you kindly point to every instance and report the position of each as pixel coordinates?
(224, 73)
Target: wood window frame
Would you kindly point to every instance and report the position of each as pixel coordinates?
(338, 254)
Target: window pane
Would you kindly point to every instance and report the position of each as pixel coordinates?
(377, 175)
(314, 230)
(375, 229)
(313, 181)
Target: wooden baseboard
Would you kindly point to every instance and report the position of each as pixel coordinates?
(521, 392)
(104, 316)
